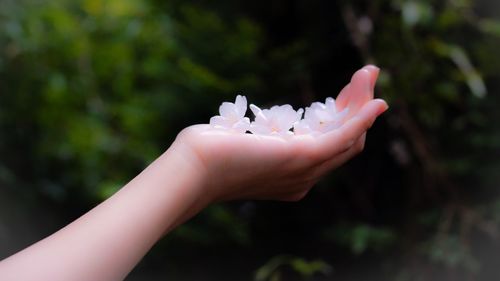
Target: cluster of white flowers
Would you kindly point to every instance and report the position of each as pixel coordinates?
(279, 119)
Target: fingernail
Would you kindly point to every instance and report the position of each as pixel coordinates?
(360, 73)
(375, 70)
(372, 67)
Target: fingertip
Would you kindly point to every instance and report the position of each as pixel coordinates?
(374, 72)
(359, 90)
(371, 110)
(372, 68)
(361, 75)
(382, 104)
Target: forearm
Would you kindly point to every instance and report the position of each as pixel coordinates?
(107, 242)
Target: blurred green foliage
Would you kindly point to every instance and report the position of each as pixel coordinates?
(360, 238)
(306, 269)
(97, 83)
(91, 91)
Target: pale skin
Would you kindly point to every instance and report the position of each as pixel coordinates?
(202, 166)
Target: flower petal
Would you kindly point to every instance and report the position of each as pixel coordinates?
(299, 114)
(242, 126)
(241, 105)
(301, 128)
(259, 114)
(323, 115)
(219, 121)
(228, 110)
(260, 129)
(330, 105)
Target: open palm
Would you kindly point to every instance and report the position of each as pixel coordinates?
(246, 166)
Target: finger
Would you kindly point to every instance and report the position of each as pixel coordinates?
(359, 91)
(334, 142)
(342, 158)
(342, 98)
(366, 76)
(374, 72)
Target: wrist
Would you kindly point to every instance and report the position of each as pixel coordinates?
(186, 179)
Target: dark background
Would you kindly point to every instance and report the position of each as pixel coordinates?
(91, 91)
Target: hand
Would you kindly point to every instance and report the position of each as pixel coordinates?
(246, 166)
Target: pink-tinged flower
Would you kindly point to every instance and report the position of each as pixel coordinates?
(232, 116)
(320, 118)
(278, 120)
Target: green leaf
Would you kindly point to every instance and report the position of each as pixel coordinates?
(415, 13)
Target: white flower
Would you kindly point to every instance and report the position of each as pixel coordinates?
(232, 116)
(320, 118)
(278, 120)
